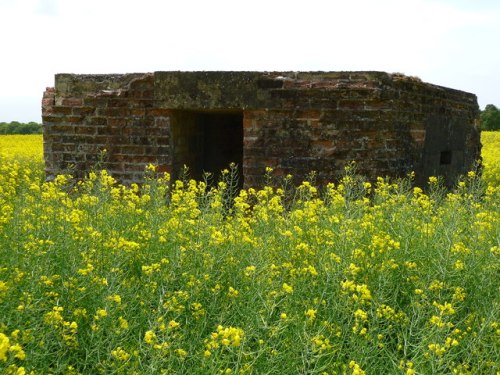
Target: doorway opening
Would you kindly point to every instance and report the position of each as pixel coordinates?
(207, 142)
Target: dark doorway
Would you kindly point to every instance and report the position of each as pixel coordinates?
(207, 142)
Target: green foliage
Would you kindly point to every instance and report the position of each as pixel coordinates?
(15, 127)
(169, 278)
(490, 118)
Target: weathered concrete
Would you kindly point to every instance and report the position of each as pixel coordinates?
(389, 124)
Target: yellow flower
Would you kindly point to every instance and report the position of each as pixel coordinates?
(232, 293)
(181, 353)
(287, 288)
(115, 298)
(361, 315)
(4, 347)
(459, 294)
(54, 317)
(437, 349)
(320, 343)
(356, 369)
(149, 337)
(3, 287)
(18, 350)
(73, 326)
(100, 313)
(120, 354)
(151, 167)
(161, 346)
(433, 180)
(122, 322)
(249, 271)
(445, 308)
(227, 336)
(449, 342)
(311, 314)
(14, 370)
(436, 285)
(173, 324)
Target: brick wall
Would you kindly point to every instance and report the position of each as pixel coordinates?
(294, 122)
(119, 127)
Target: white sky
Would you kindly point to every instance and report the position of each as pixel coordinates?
(454, 43)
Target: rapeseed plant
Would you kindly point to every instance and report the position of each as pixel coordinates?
(171, 277)
(491, 157)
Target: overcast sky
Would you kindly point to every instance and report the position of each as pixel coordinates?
(454, 43)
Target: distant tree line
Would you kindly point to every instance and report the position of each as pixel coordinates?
(15, 127)
(490, 118)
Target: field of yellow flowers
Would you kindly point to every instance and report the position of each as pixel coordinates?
(491, 157)
(169, 278)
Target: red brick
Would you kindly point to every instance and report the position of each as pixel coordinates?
(117, 121)
(88, 130)
(73, 119)
(72, 102)
(62, 110)
(97, 120)
(52, 119)
(132, 150)
(351, 104)
(158, 112)
(47, 102)
(82, 111)
(113, 112)
(140, 112)
(96, 102)
(118, 102)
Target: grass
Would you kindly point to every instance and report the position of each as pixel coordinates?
(166, 278)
